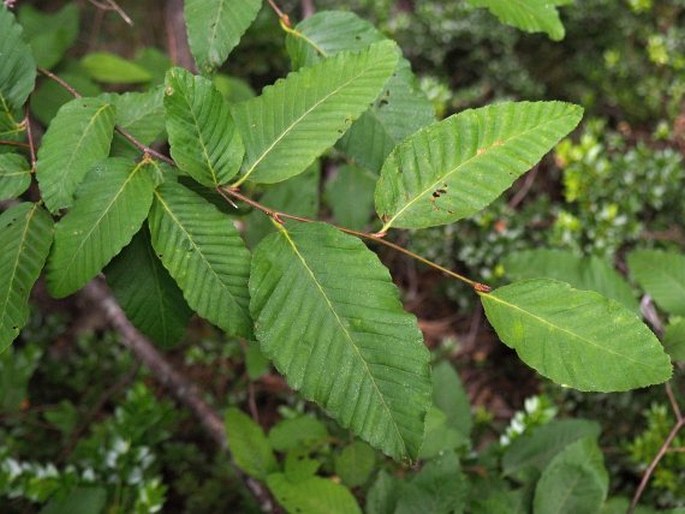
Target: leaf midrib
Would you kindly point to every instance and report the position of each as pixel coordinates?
(344, 330)
(458, 168)
(544, 322)
(290, 127)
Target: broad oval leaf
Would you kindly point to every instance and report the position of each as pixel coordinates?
(576, 338)
(527, 15)
(662, 275)
(674, 339)
(79, 136)
(574, 481)
(215, 28)
(400, 110)
(454, 168)
(249, 446)
(25, 238)
(110, 207)
(15, 175)
(111, 69)
(203, 138)
(149, 296)
(299, 117)
(205, 255)
(17, 66)
(314, 494)
(49, 34)
(592, 273)
(329, 317)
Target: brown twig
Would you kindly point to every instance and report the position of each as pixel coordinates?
(285, 20)
(181, 388)
(122, 132)
(308, 8)
(111, 5)
(14, 143)
(280, 216)
(29, 133)
(177, 37)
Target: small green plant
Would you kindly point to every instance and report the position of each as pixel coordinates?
(317, 300)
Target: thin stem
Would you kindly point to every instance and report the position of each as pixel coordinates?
(14, 143)
(674, 402)
(29, 133)
(125, 134)
(225, 192)
(285, 19)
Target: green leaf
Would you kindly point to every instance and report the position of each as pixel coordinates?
(329, 317)
(439, 488)
(112, 69)
(534, 451)
(576, 338)
(215, 28)
(149, 296)
(662, 275)
(25, 238)
(140, 114)
(301, 432)
(296, 119)
(50, 96)
(155, 62)
(17, 71)
(80, 500)
(574, 481)
(591, 273)
(299, 467)
(298, 195)
(78, 137)
(248, 444)
(49, 34)
(233, 89)
(15, 175)
(383, 494)
(527, 15)
(451, 398)
(439, 437)
(454, 168)
(110, 207)
(399, 111)
(350, 196)
(204, 254)
(314, 494)
(621, 505)
(674, 339)
(202, 135)
(256, 363)
(355, 463)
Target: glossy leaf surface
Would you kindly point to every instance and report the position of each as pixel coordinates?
(205, 255)
(456, 167)
(109, 209)
(576, 338)
(203, 138)
(25, 239)
(215, 28)
(79, 136)
(299, 117)
(329, 317)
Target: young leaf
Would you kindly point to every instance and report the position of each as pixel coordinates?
(25, 238)
(17, 70)
(329, 317)
(355, 463)
(314, 494)
(215, 28)
(112, 69)
(302, 432)
(454, 168)
(149, 296)
(248, 445)
(78, 137)
(591, 273)
(296, 119)
(451, 398)
(574, 481)
(527, 15)
(203, 138)
(204, 254)
(384, 494)
(399, 111)
(49, 34)
(576, 338)
(15, 175)
(662, 275)
(79, 500)
(674, 339)
(110, 207)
